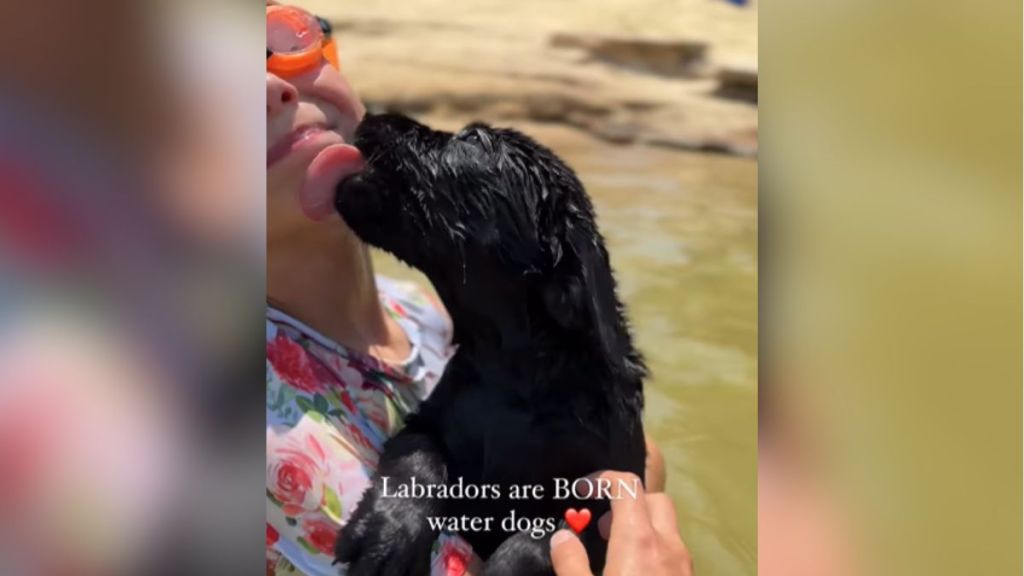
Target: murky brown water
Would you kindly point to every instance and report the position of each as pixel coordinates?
(682, 231)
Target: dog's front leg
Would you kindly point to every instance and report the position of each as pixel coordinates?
(391, 535)
(521, 555)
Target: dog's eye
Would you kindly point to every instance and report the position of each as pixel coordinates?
(470, 136)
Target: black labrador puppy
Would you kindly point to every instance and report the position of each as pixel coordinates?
(545, 382)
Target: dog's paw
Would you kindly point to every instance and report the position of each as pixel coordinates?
(521, 555)
(385, 537)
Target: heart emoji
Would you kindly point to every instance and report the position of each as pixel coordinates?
(577, 520)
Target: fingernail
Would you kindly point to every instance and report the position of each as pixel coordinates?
(560, 537)
(604, 525)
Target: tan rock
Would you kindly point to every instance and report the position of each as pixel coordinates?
(641, 71)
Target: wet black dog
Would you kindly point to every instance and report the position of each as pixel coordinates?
(545, 383)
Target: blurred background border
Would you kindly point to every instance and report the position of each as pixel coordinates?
(890, 208)
(891, 249)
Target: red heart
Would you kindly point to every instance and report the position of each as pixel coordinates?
(577, 520)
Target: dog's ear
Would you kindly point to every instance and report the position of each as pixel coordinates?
(581, 296)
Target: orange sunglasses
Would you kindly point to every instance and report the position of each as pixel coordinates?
(297, 41)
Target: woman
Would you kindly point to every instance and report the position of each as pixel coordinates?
(348, 354)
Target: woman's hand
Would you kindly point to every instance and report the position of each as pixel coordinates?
(643, 539)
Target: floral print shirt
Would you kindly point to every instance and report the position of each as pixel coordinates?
(329, 411)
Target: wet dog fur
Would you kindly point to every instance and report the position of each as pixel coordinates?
(545, 381)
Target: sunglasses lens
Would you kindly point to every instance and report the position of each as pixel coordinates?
(292, 31)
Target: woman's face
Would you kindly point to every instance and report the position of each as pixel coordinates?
(310, 118)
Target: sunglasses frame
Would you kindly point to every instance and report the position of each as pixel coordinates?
(305, 60)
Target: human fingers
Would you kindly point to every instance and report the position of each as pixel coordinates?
(654, 467)
(604, 525)
(663, 518)
(568, 557)
(628, 502)
(662, 514)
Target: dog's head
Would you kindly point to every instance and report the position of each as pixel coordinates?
(491, 217)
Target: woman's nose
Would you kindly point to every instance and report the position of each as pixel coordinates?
(280, 94)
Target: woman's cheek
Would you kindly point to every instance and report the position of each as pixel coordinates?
(332, 86)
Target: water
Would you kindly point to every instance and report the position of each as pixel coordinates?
(682, 230)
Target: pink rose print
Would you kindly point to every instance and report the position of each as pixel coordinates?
(272, 536)
(321, 534)
(455, 565)
(356, 436)
(374, 405)
(454, 556)
(295, 476)
(293, 363)
(349, 376)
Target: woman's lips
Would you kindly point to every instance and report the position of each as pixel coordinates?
(299, 139)
(332, 165)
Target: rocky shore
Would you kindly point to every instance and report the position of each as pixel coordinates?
(678, 74)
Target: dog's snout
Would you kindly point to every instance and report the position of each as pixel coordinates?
(381, 127)
(398, 123)
(379, 132)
